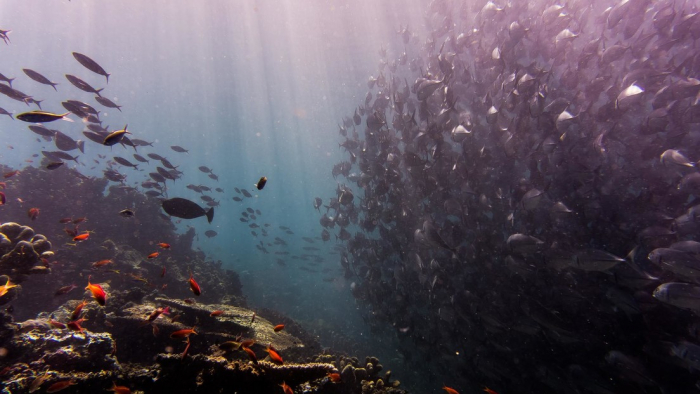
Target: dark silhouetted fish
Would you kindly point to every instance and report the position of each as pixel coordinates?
(91, 65)
(186, 209)
(107, 103)
(82, 85)
(39, 78)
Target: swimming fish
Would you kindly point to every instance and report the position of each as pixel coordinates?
(261, 183)
(91, 65)
(186, 209)
(97, 293)
(42, 117)
(194, 286)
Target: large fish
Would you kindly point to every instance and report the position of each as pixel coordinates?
(186, 209)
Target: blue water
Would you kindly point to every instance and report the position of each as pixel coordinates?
(251, 89)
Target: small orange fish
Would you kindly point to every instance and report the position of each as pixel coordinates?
(334, 377)
(33, 213)
(489, 391)
(194, 286)
(76, 325)
(154, 315)
(187, 348)
(449, 390)
(189, 301)
(81, 237)
(101, 263)
(6, 287)
(247, 343)
(163, 245)
(286, 389)
(251, 355)
(183, 333)
(3, 199)
(274, 356)
(76, 312)
(97, 293)
(57, 324)
(216, 313)
(252, 319)
(279, 327)
(58, 386)
(153, 255)
(11, 174)
(119, 389)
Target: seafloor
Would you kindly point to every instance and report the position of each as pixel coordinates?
(45, 343)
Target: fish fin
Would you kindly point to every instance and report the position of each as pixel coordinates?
(107, 76)
(97, 92)
(210, 214)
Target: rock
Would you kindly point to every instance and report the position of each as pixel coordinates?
(21, 251)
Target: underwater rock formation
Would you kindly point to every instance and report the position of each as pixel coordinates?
(23, 253)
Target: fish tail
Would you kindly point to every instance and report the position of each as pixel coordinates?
(97, 92)
(210, 214)
(107, 76)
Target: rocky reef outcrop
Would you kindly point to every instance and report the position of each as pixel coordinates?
(22, 253)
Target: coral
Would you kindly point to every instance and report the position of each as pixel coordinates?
(21, 252)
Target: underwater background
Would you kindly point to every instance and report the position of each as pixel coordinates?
(483, 196)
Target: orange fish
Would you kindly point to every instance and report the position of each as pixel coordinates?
(247, 343)
(58, 386)
(152, 255)
(274, 356)
(33, 213)
(154, 315)
(279, 327)
(334, 377)
(450, 390)
(163, 245)
(286, 389)
(81, 237)
(489, 391)
(76, 312)
(119, 389)
(3, 199)
(11, 174)
(252, 319)
(57, 324)
(251, 355)
(97, 293)
(183, 333)
(6, 287)
(184, 354)
(194, 286)
(216, 313)
(76, 325)
(101, 263)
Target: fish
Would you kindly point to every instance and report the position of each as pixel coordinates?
(216, 313)
(108, 103)
(97, 293)
(81, 237)
(79, 308)
(65, 290)
(179, 149)
(76, 325)
(42, 117)
(4, 289)
(210, 233)
(186, 209)
(91, 65)
(274, 356)
(194, 286)
(286, 389)
(489, 391)
(334, 377)
(61, 385)
(125, 162)
(251, 355)
(156, 313)
(3, 111)
(119, 389)
(57, 324)
(185, 333)
(33, 213)
(82, 85)
(127, 213)
(55, 165)
(261, 183)
(3, 199)
(164, 245)
(153, 255)
(450, 390)
(278, 327)
(102, 263)
(39, 78)
(115, 137)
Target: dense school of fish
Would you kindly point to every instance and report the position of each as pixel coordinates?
(520, 197)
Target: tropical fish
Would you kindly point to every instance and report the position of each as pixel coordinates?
(194, 286)
(39, 78)
(274, 356)
(216, 313)
(261, 183)
(186, 209)
(286, 389)
(251, 355)
(163, 245)
(58, 386)
(65, 290)
(76, 325)
(115, 137)
(33, 213)
(279, 327)
(108, 103)
(91, 65)
(6, 287)
(81, 237)
(42, 117)
(153, 255)
(97, 293)
(119, 389)
(185, 333)
(79, 308)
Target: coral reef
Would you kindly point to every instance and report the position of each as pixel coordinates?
(23, 253)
